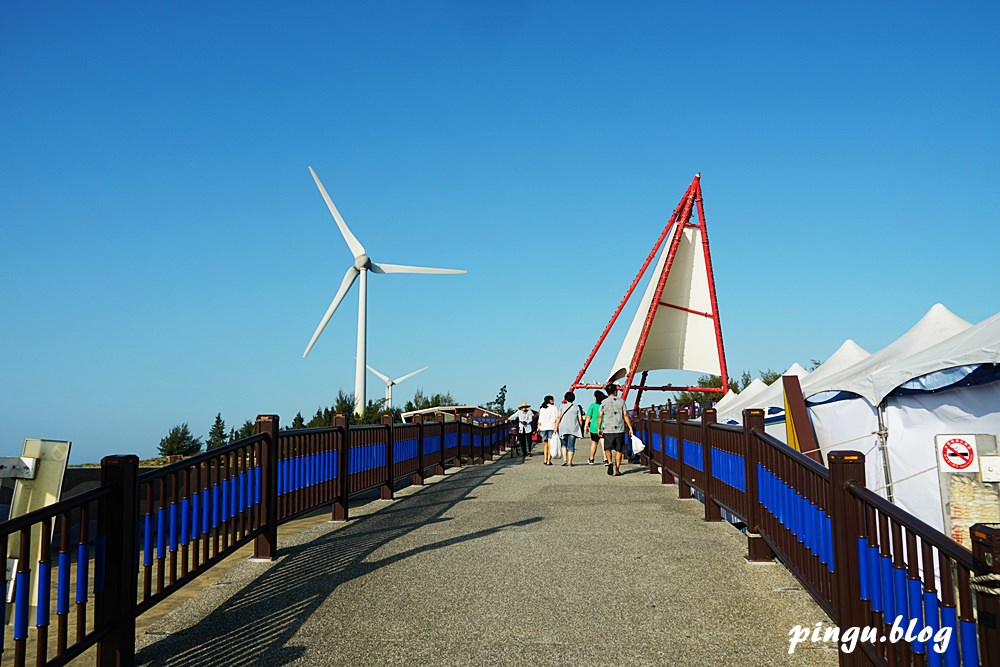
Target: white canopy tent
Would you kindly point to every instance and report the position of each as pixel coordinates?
(733, 412)
(949, 388)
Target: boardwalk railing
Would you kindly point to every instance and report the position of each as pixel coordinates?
(101, 558)
(871, 566)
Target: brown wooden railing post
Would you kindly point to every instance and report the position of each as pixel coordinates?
(846, 468)
(118, 601)
(712, 509)
(666, 477)
(647, 422)
(340, 505)
(265, 545)
(683, 487)
(390, 458)
(417, 478)
(986, 549)
(440, 467)
(458, 439)
(757, 549)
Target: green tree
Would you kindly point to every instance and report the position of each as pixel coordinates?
(180, 441)
(298, 421)
(704, 398)
(770, 376)
(420, 401)
(217, 434)
(248, 429)
(498, 404)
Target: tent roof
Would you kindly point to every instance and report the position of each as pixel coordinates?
(979, 344)
(848, 354)
(936, 325)
(723, 402)
(744, 400)
(774, 395)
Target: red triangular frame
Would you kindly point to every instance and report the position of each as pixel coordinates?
(681, 216)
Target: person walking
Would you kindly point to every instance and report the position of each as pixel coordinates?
(523, 418)
(612, 421)
(593, 411)
(569, 426)
(547, 416)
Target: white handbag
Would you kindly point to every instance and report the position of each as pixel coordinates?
(555, 446)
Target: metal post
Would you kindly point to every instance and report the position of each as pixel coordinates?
(712, 510)
(265, 545)
(986, 549)
(846, 468)
(118, 602)
(390, 458)
(757, 549)
(340, 504)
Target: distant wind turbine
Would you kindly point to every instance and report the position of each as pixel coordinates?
(389, 383)
(361, 266)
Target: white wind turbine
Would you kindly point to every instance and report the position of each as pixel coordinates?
(361, 266)
(389, 383)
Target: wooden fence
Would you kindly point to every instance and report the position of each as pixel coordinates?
(109, 554)
(866, 562)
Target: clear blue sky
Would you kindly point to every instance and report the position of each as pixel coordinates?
(166, 255)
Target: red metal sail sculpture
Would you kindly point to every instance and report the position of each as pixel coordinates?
(676, 325)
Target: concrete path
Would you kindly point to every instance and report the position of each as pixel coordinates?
(507, 563)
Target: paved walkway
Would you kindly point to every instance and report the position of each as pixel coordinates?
(507, 563)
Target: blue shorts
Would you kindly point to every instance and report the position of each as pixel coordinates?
(569, 442)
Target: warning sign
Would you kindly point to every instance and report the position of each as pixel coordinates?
(956, 453)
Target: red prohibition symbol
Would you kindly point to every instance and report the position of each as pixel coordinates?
(958, 454)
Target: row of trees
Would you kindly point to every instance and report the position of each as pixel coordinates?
(181, 441)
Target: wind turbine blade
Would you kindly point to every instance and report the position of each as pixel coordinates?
(398, 380)
(383, 377)
(345, 285)
(400, 268)
(352, 242)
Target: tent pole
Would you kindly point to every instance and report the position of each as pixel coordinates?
(883, 442)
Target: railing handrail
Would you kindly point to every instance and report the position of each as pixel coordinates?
(68, 503)
(199, 458)
(793, 454)
(957, 552)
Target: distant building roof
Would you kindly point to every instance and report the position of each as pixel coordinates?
(449, 412)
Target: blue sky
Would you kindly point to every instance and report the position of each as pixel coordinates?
(166, 255)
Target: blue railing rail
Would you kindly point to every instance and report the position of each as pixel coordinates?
(866, 562)
(103, 557)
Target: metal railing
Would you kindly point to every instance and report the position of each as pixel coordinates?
(869, 564)
(103, 557)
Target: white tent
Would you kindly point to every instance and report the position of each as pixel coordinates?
(949, 388)
(936, 325)
(848, 410)
(771, 400)
(734, 411)
(722, 405)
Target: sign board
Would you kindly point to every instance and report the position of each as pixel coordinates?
(956, 453)
(51, 457)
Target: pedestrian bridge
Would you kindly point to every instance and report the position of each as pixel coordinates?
(425, 544)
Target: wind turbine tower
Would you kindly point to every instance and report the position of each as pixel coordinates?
(361, 266)
(389, 383)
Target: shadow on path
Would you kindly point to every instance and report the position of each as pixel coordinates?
(253, 626)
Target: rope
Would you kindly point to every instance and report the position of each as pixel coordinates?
(844, 442)
(895, 482)
(987, 584)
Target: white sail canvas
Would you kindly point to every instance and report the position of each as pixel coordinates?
(682, 333)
